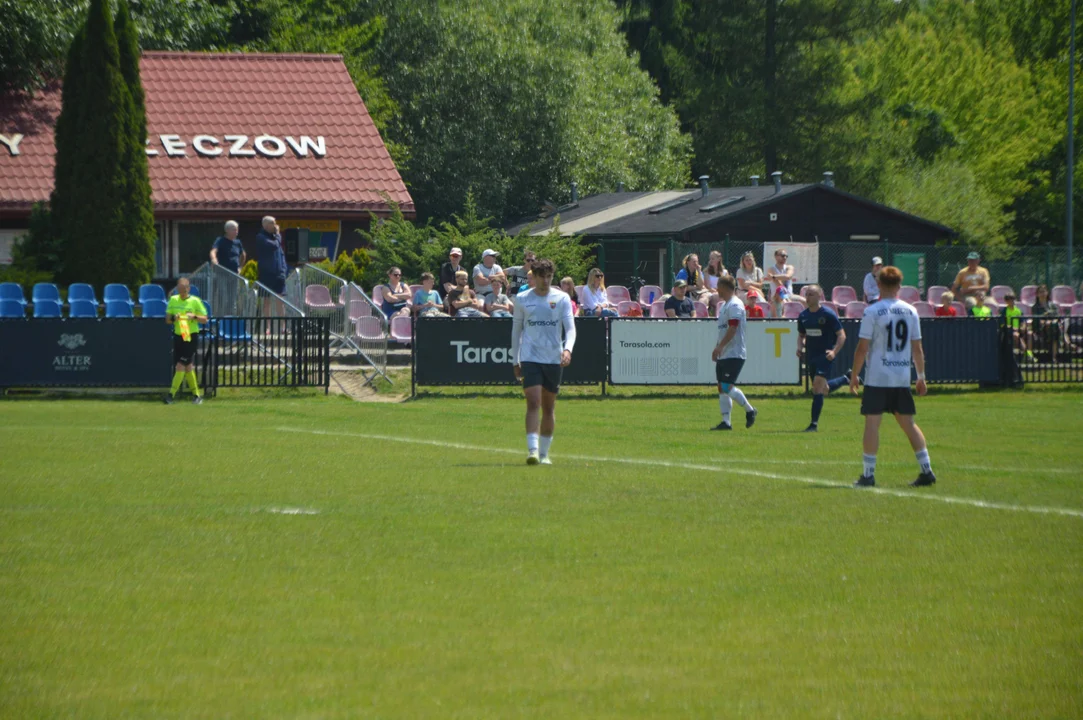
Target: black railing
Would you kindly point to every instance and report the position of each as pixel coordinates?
(267, 352)
(1042, 350)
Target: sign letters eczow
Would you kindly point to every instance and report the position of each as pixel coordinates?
(270, 146)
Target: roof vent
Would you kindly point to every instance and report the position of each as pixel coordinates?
(755, 180)
(777, 177)
(672, 204)
(575, 192)
(724, 202)
(704, 187)
(620, 186)
(829, 179)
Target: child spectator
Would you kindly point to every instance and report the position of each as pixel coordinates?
(427, 301)
(568, 286)
(1013, 315)
(498, 304)
(946, 308)
(752, 309)
(980, 309)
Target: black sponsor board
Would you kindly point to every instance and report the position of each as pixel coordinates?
(477, 351)
(76, 352)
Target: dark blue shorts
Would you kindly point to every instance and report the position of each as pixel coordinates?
(275, 285)
(818, 366)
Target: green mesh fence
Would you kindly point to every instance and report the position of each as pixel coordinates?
(845, 263)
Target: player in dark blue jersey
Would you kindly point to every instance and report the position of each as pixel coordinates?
(820, 338)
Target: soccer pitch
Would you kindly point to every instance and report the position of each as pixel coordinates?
(321, 558)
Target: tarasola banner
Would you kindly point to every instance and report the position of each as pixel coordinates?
(78, 352)
(477, 351)
(678, 352)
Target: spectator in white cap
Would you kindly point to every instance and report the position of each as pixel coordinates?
(871, 287)
(448, 270)
(485, 271)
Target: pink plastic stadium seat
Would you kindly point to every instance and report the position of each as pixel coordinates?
(1063, 295)
(1028, 294)
(343, 293)
(828, 305)
(359, 308)
(645, 295)
(855, 309)
(765, 307)
(934, 294)
(658, 309)
(318, 297)
(909, 294)
(960, 309)
(998, 292)
(925, 310)
(791, 310)
(402, 329)
(993, 307)
(415, 288)
(370, 328)
(624, 307)
(843, 295)
(701, 309)
(1028, 310)
(618, 294)
(378, 294)
(1076, 310)
(803, 292)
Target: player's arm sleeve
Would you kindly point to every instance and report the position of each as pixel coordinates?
(865, 333)
(800, 327)
(915, 327)
(569, 325)
(517, 317)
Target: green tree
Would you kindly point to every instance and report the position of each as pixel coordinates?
(132, 252)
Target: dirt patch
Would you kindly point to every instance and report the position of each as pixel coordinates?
(352, 384)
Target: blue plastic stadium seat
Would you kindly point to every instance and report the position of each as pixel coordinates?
(194, 290)
(154, 308)
(115, 292)
(231, 328)
(151, 292)
(46, 291)
(118, 309)
(83, 309)
(12, 309)
(47, 309)
(82, 291)
(13, 292)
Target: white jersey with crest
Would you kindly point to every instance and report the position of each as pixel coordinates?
(538, 322)
(890, 325)
(732, 313)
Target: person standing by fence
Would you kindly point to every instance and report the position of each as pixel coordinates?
(227, 250)
(870, 287)
(184, 312)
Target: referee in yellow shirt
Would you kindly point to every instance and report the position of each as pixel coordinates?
(184, 312)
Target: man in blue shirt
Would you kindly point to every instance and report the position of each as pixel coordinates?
(820, 338)
(271, 256)
(228, 251)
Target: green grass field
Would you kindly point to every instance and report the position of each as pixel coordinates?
(319, 558)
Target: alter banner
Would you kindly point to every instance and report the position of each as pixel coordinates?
(678, 352)
(75, 352)
(477, 351)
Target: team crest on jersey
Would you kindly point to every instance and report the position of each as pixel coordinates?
(552, 304)
(823, 320)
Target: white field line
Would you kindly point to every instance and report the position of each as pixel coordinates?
(761, 461)
(948, 499)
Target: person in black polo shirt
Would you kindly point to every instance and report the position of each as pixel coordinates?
(678, 305)
(228, 251)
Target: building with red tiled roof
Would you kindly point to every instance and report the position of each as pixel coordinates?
(231, 136)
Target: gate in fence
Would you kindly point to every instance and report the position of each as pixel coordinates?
(266, 352)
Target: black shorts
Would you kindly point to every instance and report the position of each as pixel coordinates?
(818, 366)
(727, 370)
(276, 285)
(184, 351)
(544, 374)
(880, 400)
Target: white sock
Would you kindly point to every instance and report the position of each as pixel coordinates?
(545, 443)
(725, 405)
(870, 464)
(532, 442)
(736, 394)
(923, 460)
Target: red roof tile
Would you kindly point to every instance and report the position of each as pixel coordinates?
(285, 97)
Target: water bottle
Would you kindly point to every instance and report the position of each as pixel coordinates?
(652, 298)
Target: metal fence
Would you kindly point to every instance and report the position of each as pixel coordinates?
(344, 305)
(1042, 350)
(227, 292)
(266, 352)
(846, 263)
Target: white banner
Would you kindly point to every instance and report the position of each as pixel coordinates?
(805, 258)
(678, 352)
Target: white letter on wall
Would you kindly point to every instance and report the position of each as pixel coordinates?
(301, 147)
(264, 140)
(174, 146)
(13, 140)
(200, 145)
(238, 149)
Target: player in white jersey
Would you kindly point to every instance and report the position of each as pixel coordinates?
(890, 336)
(729, 354)
(540, 355)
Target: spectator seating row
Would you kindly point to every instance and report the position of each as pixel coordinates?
(44, 308)
(84, 292)
(1061, 295)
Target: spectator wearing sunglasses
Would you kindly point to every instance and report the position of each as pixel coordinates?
(595, 301)
(781, 275)
(396, 295)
